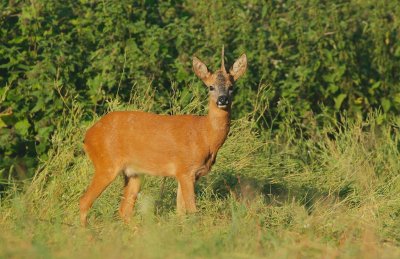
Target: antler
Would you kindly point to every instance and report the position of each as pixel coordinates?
(223, 61)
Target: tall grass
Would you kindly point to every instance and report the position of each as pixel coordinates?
(330, 191)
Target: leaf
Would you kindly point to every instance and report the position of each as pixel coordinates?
(397, 52)
(22, 127)
(339, 100)
(340, 71)
(40, 105)
(373, 87)
(397, 98)
(376, 85)
(386, 104)
(2, 124)
(358, 101)
(333, 88)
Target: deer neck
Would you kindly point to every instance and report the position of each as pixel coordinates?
(219, 123)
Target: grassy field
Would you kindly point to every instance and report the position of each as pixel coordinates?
(326, 192)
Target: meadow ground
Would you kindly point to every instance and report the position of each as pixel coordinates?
(326, 192)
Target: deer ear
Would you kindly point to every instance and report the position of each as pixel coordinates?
(239, 67)
(200, 69)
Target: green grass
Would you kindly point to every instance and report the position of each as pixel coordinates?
(302, 191)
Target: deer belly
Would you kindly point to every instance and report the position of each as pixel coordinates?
(168, 169)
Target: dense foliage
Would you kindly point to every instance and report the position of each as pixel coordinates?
(319, 56)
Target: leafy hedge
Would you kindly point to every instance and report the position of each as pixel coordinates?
(316, 55)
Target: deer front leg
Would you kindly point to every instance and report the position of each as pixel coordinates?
(180, 204)
(185, 194)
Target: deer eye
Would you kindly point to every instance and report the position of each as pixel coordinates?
(212, 88)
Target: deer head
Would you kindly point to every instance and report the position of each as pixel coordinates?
(220, 84)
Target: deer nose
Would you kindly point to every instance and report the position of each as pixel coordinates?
(222, 100)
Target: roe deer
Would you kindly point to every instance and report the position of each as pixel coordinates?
(182, 146)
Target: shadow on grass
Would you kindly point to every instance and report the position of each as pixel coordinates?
(246, 189)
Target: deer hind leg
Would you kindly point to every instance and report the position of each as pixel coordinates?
(131, 190)
(185, 196)
(102, 178)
